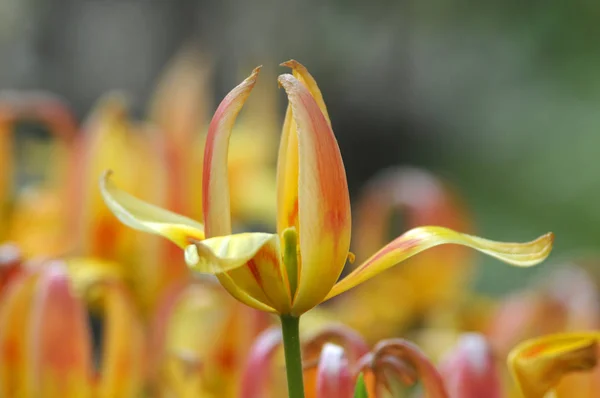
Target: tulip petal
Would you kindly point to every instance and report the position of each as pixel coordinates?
(386, 351)
(123, 356)
(252, 262)
(59, 367)
(215, 182)
(259, 364)
(470, 371)
(15, 304)
(301, 73)
(323, 199)
(538, 365)
(334, 378)
(422, 238)
(145, 217)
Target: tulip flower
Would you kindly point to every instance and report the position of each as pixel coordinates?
(33, 221)
(294, 270)
(539, 365)
(469, 369)
(46, 344)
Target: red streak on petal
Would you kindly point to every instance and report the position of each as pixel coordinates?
(330, 169)
(401, 245)
(533, 351)
(251, 264)
(293, 214)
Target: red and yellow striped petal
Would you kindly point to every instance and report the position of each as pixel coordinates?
(419, 239)
(123, 359)
(145, 217)
(215, 181)
(61, 349)
(323, 199)
(538, 365)
(287, 161)
(252, 263)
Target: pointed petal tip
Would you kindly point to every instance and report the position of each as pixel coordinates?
(293, 64)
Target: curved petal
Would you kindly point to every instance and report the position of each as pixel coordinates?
(145, 217)
(323, 199)
(538, 365)
(386, 351)
(59, 367)
(301, 73)
(123, 357)
(334, 378)
(215, 181)
(419, 239)
(252, 262)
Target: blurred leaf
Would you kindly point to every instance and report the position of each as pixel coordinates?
(360, 391)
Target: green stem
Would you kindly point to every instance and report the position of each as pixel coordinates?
(293, 357)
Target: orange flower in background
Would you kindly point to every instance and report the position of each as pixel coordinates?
(436, 278)
(46, 345)
(296, 269)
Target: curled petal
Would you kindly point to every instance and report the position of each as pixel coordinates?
(59, 367)
(470, 371)
(323, 199)
(334, 378)
(352, 342)
(419, 239)
(123, 356)
(145, 217)
(538, 365)
(253, 265)
(258, 367)
(408, 352)
(215, 182)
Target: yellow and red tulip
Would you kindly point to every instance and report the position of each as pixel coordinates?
(46, 343)
(549, 364)
(296, 269)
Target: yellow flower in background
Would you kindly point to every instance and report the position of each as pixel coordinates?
(46, 347)
(435, 279)
(540, 366)
(296, 269)
(200, 338)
